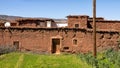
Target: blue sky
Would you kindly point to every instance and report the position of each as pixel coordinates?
(59, 8)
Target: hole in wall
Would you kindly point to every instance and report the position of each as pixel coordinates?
(66, 48)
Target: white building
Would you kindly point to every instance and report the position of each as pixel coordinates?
(61, 22)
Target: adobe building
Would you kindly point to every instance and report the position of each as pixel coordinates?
(43, 35)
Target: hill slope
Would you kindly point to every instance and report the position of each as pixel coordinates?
(7, 17)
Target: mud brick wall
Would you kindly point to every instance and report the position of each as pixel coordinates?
(87, 22)
(80, 20)
(39, 39)
(108, 25)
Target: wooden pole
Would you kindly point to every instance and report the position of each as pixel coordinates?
(94, 29)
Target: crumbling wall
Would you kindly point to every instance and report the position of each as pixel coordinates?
(106, 40)
(107, 25)
(39, 39)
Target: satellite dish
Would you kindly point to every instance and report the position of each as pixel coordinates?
(7, 24)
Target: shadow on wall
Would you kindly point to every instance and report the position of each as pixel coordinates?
(7, 49)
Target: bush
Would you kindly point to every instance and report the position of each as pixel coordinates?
(107, 59)
(6, 49)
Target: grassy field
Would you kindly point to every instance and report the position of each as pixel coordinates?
(27, 60)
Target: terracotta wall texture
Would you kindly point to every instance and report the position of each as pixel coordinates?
(84, 21)
(41, 39)
(74, 38)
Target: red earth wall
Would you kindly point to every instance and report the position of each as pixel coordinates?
(39, 39)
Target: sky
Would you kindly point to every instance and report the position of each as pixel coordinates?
(109, 9)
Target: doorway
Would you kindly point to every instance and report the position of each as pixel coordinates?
(16, 44)
(56, 46)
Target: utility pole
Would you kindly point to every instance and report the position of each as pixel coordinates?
(94, 29)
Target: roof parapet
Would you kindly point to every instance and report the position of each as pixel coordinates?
(76, 16)
(97, 19)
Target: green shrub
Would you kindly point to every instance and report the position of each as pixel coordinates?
(107, 59)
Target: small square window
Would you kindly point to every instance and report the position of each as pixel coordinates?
(74, 42)
(76, 25)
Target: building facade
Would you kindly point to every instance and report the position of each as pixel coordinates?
(77, 37)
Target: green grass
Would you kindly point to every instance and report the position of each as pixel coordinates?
(28, 60)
